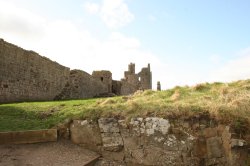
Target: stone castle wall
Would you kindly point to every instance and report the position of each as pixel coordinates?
(27, 76)
(81, 85)
(135, 81)
(105, 77)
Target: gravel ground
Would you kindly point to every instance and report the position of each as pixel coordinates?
(62, 153)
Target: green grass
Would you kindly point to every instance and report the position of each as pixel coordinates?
(227, 102)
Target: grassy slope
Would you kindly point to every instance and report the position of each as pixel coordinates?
(229, 103)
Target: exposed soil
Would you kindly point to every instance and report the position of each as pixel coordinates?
(61, 153)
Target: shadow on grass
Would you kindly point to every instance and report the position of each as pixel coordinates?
(14, 118)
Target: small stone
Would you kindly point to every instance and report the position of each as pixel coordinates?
(238, 143)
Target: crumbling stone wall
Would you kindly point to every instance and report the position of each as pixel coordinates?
(159, 141)
(82, 85)
(145, 77)
(116, 87)
(133, 82)
(27, 76)
(105, 77)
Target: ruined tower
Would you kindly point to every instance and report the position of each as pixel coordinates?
(105, 77)
(133, 81)
(145, 78)
(130, 75)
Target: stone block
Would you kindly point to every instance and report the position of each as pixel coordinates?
(108, 125)
(209, 132)
(85, 132)
(154, 124)
(112, 142)
(200, 148)
(214, 147)
(238, 143)
(151, 155)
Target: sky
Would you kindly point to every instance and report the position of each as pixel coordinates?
(186, 41)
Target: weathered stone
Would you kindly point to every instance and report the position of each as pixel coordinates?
(154, 124)
(186, 125)
(81, 85)
(210, 132)
(112, 142)
(63, 131)
(108, 125)
(195, 126)
(200, 148)
(105, 77)
(138, 126)
(86, 133)
(238, 143)
(27, 76)
(216, 161)
(214, 147)
(151, 155)
(171, 143)
(150, 141)
(133, 82)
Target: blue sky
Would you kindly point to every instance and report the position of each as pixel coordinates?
(186, 41)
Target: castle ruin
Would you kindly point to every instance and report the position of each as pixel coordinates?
(27, 76)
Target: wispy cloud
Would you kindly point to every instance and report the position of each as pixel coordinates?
(114, 14)
(234, 69)
(66, 43)
(92, 8)
(20, 21)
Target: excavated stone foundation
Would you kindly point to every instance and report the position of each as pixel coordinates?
(159, 141)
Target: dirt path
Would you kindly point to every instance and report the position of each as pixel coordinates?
(62, 153)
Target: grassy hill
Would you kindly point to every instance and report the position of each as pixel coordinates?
(226, 102)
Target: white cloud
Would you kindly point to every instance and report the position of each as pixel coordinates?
(114, 13)
(64, 42)
(19, 21)
(235, 69)
(92, 8)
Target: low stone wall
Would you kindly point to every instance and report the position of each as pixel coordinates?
(158, 141)
(25, 137)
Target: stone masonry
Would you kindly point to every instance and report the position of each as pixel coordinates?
(159, 141)
(133, 82)
(105, 77)
(27, 76)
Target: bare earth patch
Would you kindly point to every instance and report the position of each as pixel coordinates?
(61, 153)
